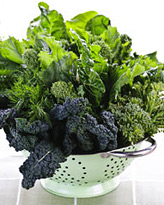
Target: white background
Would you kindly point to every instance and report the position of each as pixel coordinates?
(142, 20)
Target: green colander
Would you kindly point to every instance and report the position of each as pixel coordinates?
(91, 175)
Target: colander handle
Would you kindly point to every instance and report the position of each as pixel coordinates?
(133, 154)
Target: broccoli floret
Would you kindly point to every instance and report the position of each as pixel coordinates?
(61, 90)
(126, 41)
(30, 58)
(105, 51)
(41, 163)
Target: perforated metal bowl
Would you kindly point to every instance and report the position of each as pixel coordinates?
(93, 175)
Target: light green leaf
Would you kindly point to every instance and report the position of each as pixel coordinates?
(80, 20)
(12, 49)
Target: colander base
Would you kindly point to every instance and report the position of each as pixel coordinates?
(83, 191)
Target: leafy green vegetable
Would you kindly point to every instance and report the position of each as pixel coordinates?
(133, 122)
(61, 90)
(75, 87)
(51, 21)
(12, 49)
(80, 20)
(98, 24)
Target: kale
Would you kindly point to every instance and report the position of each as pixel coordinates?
(34, 128)
(103, 134)
(70, 107)
(20, 141)
(5, 115)
(92, 136)
(41, 163)
(75, 126)
(74, 87)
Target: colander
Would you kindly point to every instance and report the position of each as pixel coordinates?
(91, 175)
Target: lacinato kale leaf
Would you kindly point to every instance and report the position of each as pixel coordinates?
(5, 115)
(41, 163)
(70, 107)
(34, 128)
(20, 141)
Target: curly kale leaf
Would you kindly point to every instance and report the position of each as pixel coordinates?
(70, 107)
(74, 126)
(5, 115)
(104, 135)
(19, 140)
(31, 128)
(41, 163)
(90, 134)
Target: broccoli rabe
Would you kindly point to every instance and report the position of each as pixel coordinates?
(133, 123)
(61, 90)
(105, 51)
(30, 58)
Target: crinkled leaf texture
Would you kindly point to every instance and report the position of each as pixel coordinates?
(19, 140)
(41, 163)
(5, 115)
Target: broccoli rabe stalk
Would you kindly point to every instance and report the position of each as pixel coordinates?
(62, 90)
(30, 58)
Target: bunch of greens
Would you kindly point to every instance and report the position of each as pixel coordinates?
(75, 87)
